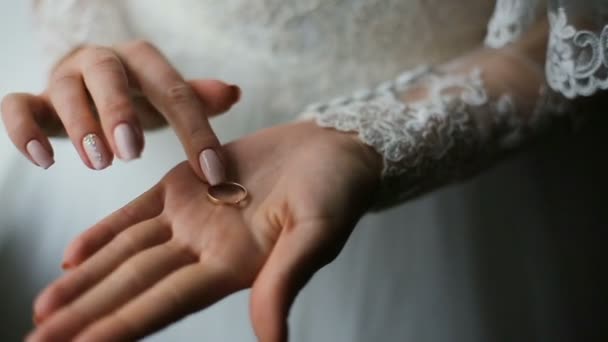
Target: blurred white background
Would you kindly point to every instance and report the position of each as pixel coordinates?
(20, 67)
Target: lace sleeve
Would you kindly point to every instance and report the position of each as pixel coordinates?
(577, 57)
(435, 125)
(62, 25)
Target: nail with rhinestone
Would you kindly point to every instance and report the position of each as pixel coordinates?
(96, 151)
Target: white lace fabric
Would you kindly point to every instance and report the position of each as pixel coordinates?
(431, 141)
(510, 20)
(448, 136)
(577, 62)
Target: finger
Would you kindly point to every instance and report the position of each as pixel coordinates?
(107, 83)
(181, 106)
(19, 114)
(128, 281)
(217, 96)
(70, 100)
(188, 290)
(145, 207)
(298, 253)
(130, 242)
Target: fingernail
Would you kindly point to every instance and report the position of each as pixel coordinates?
(65, 266)
(96, 151)
(36, 319)
(39, 154)
(126, 142)
(212, 167)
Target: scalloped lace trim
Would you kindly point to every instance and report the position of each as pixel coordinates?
(407, 134)
(577, 60)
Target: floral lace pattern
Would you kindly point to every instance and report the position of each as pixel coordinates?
(577, 60)
(425, 143)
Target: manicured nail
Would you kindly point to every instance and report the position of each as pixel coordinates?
(212, 167)
(126, 142)
(39, 154)
(96, 151)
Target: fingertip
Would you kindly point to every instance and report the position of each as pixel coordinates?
(74, 254)
(217, 96)
(236, 93)
(270, 305)
(42, 307)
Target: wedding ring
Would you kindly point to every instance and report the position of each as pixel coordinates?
(229, 193)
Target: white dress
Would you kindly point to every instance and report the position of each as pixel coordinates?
(484, 261)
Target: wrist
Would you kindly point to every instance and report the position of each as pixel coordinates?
(366, 161)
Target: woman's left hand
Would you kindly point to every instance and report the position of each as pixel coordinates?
(171, 252)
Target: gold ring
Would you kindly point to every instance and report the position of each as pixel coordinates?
(230, 193)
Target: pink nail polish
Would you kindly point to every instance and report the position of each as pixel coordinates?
(39, 154)
(126, 142)
(96, 151)
(212, 167)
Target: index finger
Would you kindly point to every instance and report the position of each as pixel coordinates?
(175, 98)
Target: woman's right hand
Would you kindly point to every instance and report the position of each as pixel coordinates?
(90, 97)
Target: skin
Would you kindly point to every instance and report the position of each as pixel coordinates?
(172, 252)
(90, 92)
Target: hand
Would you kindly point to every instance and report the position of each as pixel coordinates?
(98, 81)
(171, 252)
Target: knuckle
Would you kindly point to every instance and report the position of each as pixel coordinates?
(10, 103)
(139, 45)
(63, 80)
(200, 136)
(120, 106)
(179, 93)
(102, 59)
(143, 44)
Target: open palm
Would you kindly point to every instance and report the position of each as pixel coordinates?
(171, 252)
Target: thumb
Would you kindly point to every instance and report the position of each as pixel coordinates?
(218, 96)
(297, 255)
